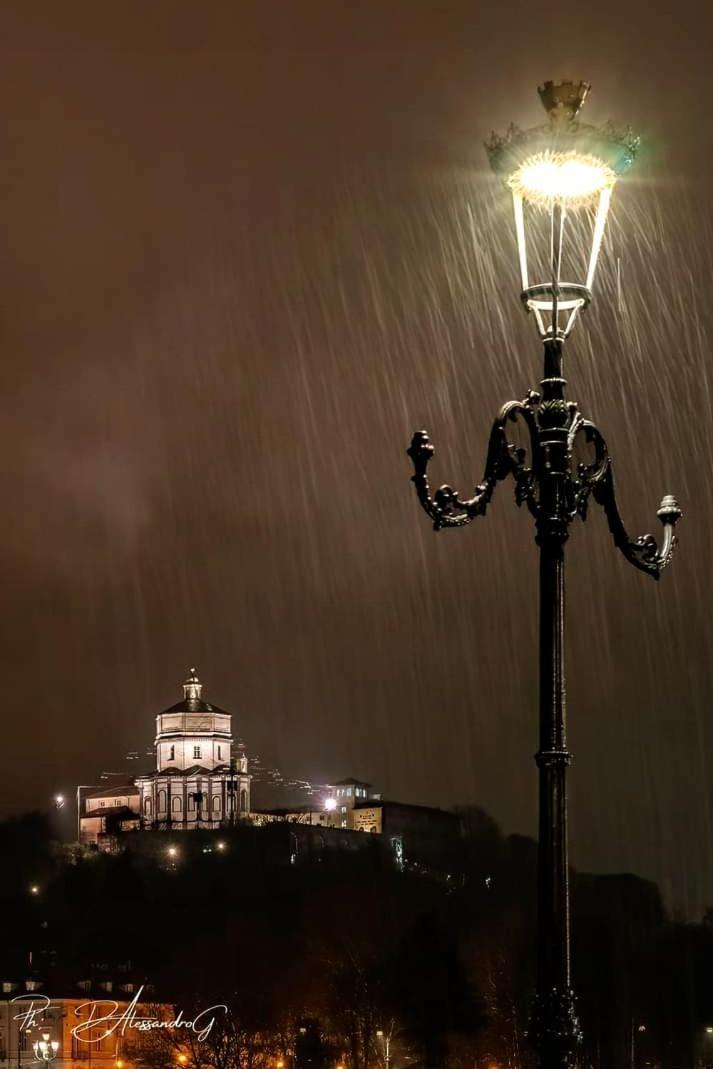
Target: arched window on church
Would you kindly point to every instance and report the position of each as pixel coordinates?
(216, 803)
(161, 802)
(172, 753)
(147, 807)
(176, 805)
(243, 801)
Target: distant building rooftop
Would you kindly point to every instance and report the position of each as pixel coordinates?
(283, 811)
(112, 792)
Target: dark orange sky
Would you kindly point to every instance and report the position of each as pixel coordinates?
(247, 248)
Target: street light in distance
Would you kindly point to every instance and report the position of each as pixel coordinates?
(45, 1049)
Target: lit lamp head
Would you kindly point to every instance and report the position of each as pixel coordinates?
(46, 1049)
(561, 176)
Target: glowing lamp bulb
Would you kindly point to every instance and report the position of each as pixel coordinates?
(330, 804)
(567, 177)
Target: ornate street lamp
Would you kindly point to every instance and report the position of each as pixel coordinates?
(45, 1049)
(561, 176)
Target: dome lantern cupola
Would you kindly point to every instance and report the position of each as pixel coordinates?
(192, 688)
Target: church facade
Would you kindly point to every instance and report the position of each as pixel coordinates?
(200, 780)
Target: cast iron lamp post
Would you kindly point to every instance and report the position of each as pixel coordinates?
(561, 176)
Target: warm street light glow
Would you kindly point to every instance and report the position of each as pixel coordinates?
(709, 1030)
(119, 1063)
(172, 851)
(182, 1059)
(566, 177)
(34, 889)
(330, 804)
(45, 1049)
(59, 800)
(220, 845)
(561, 176)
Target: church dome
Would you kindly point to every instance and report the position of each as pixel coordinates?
(193, 698)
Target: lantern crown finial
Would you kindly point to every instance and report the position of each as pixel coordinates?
(563, 100)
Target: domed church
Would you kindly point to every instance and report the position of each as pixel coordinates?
(201, 778)
(199, 781)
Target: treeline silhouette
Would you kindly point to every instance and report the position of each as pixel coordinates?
(349, 957)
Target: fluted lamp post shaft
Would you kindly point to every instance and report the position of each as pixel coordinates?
(556, 489)
(555, 1024)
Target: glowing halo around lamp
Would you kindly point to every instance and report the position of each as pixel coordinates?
(566, 177)
(561, 176)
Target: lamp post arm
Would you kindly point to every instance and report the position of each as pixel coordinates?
(445, 507)
(643, 552)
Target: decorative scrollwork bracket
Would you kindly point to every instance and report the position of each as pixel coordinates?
(445, 507)
(553, 425)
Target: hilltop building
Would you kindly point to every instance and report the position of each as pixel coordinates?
(201, 781)
(413, 831)
(201, 777)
